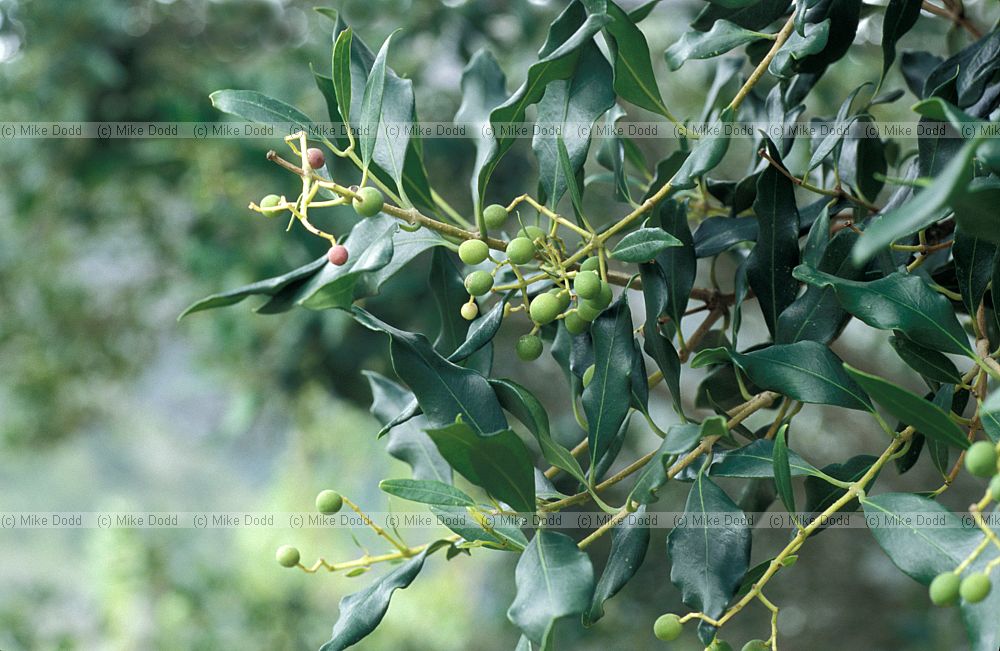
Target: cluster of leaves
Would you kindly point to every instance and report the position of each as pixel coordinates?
(918, 260)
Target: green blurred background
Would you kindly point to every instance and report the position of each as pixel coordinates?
(106, 402)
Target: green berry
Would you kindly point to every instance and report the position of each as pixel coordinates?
(470, 311)
(529, 347)
(563, 297)
(575, 324)
(369, 202)
(944, 589)
(544, 309)
(590, 264)
(520, 250)
(329, 502)
(287, 556)
(268, 204)
(473, 251)
(603, 299)
(587, 284)
(533, 233)
(975, 587)
(668, 627)
(756, 645)
(995, 488)
(720, 645)
(588, 375)
(587, 312)
(478, 282)
(494, 215)
(981, 459)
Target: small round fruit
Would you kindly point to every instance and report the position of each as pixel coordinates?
(975, 587)
(529, 347)
(287, 556)
(587, 284)
(478, 283)
(995, 488)
(533, 233)
(494, 215)
(668, 627)
(337, 255)
(329, 502)
(981, 459)
(473, 251)
(520, 250)
(470, 311)
(563, 297)
(544, 309)
(720, 645)
(315, 158)
(756, 645)
(369, 202)
(603, 298)
(574, 324)
(587, 312)
(590, 264)
(944, 589)
(588, 375)
(268, 205)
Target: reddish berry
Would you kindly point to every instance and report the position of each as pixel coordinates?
(337, 255)
(316, 158)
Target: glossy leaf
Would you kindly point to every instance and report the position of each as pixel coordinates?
(717, 234)
(449, 294)
(973, 267)
(499, 464)
(426, 492)
(629, 542)
(657, 345)
(342, 72)
(484, 87)
(681, 438)
(704, 157)
(926, 361)
(820, 493)
(634, 78)
(782, 470)
(501, 535)
(258, 107)
(757, 460)
(678, 263)
(723, 37)
(555, 579)
(371, 104)
(900, 17)
(643, 245)
(606, 398)
(482, 330)
(911, 409)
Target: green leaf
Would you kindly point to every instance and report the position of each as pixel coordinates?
(782, 470)
(769, 267)
(257, 107)
(973, 267)
(634, 78)
(678, 263)
(611, 154)
(643, 245)
(705, 156)
(897, 302)
(655, 294)
(606, 398)
(371, 104)
(820, 493)
(268, 287)
(717, 234)
(362, 611)
(974, 209)
(482, 330)
(484, 87)
(581, 99)
(708, 561)
(926, 207)
(900, 16)
(555, 579)
(426, 492)
(757, 460)
(926, 361)
(501, 535)
(449, 294)
(406, 440)
(342, 72)
(443, 390)
(680, 438)
(911, 409)
(499, 464)
(798, 47)
(807, 371)
(629, 542)
(723, 37)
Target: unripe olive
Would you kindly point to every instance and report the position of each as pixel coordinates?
(588, 375)
(529, 347)
(668, 627)
(720, 645)
(544, 309)
(287, 556)
(533, 233)
(494, 215)
(473, 251)
(337, 255)
(268, 203)
(315, 158)
(587, 312)
(470, 311)
(590, 264)
(756, 645)
(329, 502)
(995, 488)
(943, 590)
(478, 283)
(520, 250)
(587, 284)
(975, 587)
(574, 324)
(563, 297)
(369, 201)
(981, 459)
(603, 299)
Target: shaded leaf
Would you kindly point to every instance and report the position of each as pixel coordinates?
(426, 492)
(629, 542)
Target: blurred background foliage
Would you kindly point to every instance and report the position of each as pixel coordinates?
(107, 403)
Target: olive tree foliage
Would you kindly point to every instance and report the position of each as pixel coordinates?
(900, 238)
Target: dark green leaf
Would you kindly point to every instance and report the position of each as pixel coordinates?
(629, 542)
(606, 398)
(484, 87)
(798, 47)
(678, 263)
(371, 104)
(257, 107)
(342, 72)
(757, 460)
(973, 267)
(655, 343)
(501, 535)
(449, 294)
(717, 234)
(426, 492)
(705, 156)
(269, 287)
(900, 16)
(634, 78)
(723, 37)
(680, 438)
(643, 245)
(926, 361)
(482, 330)
(782, 470)
(820, 494)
